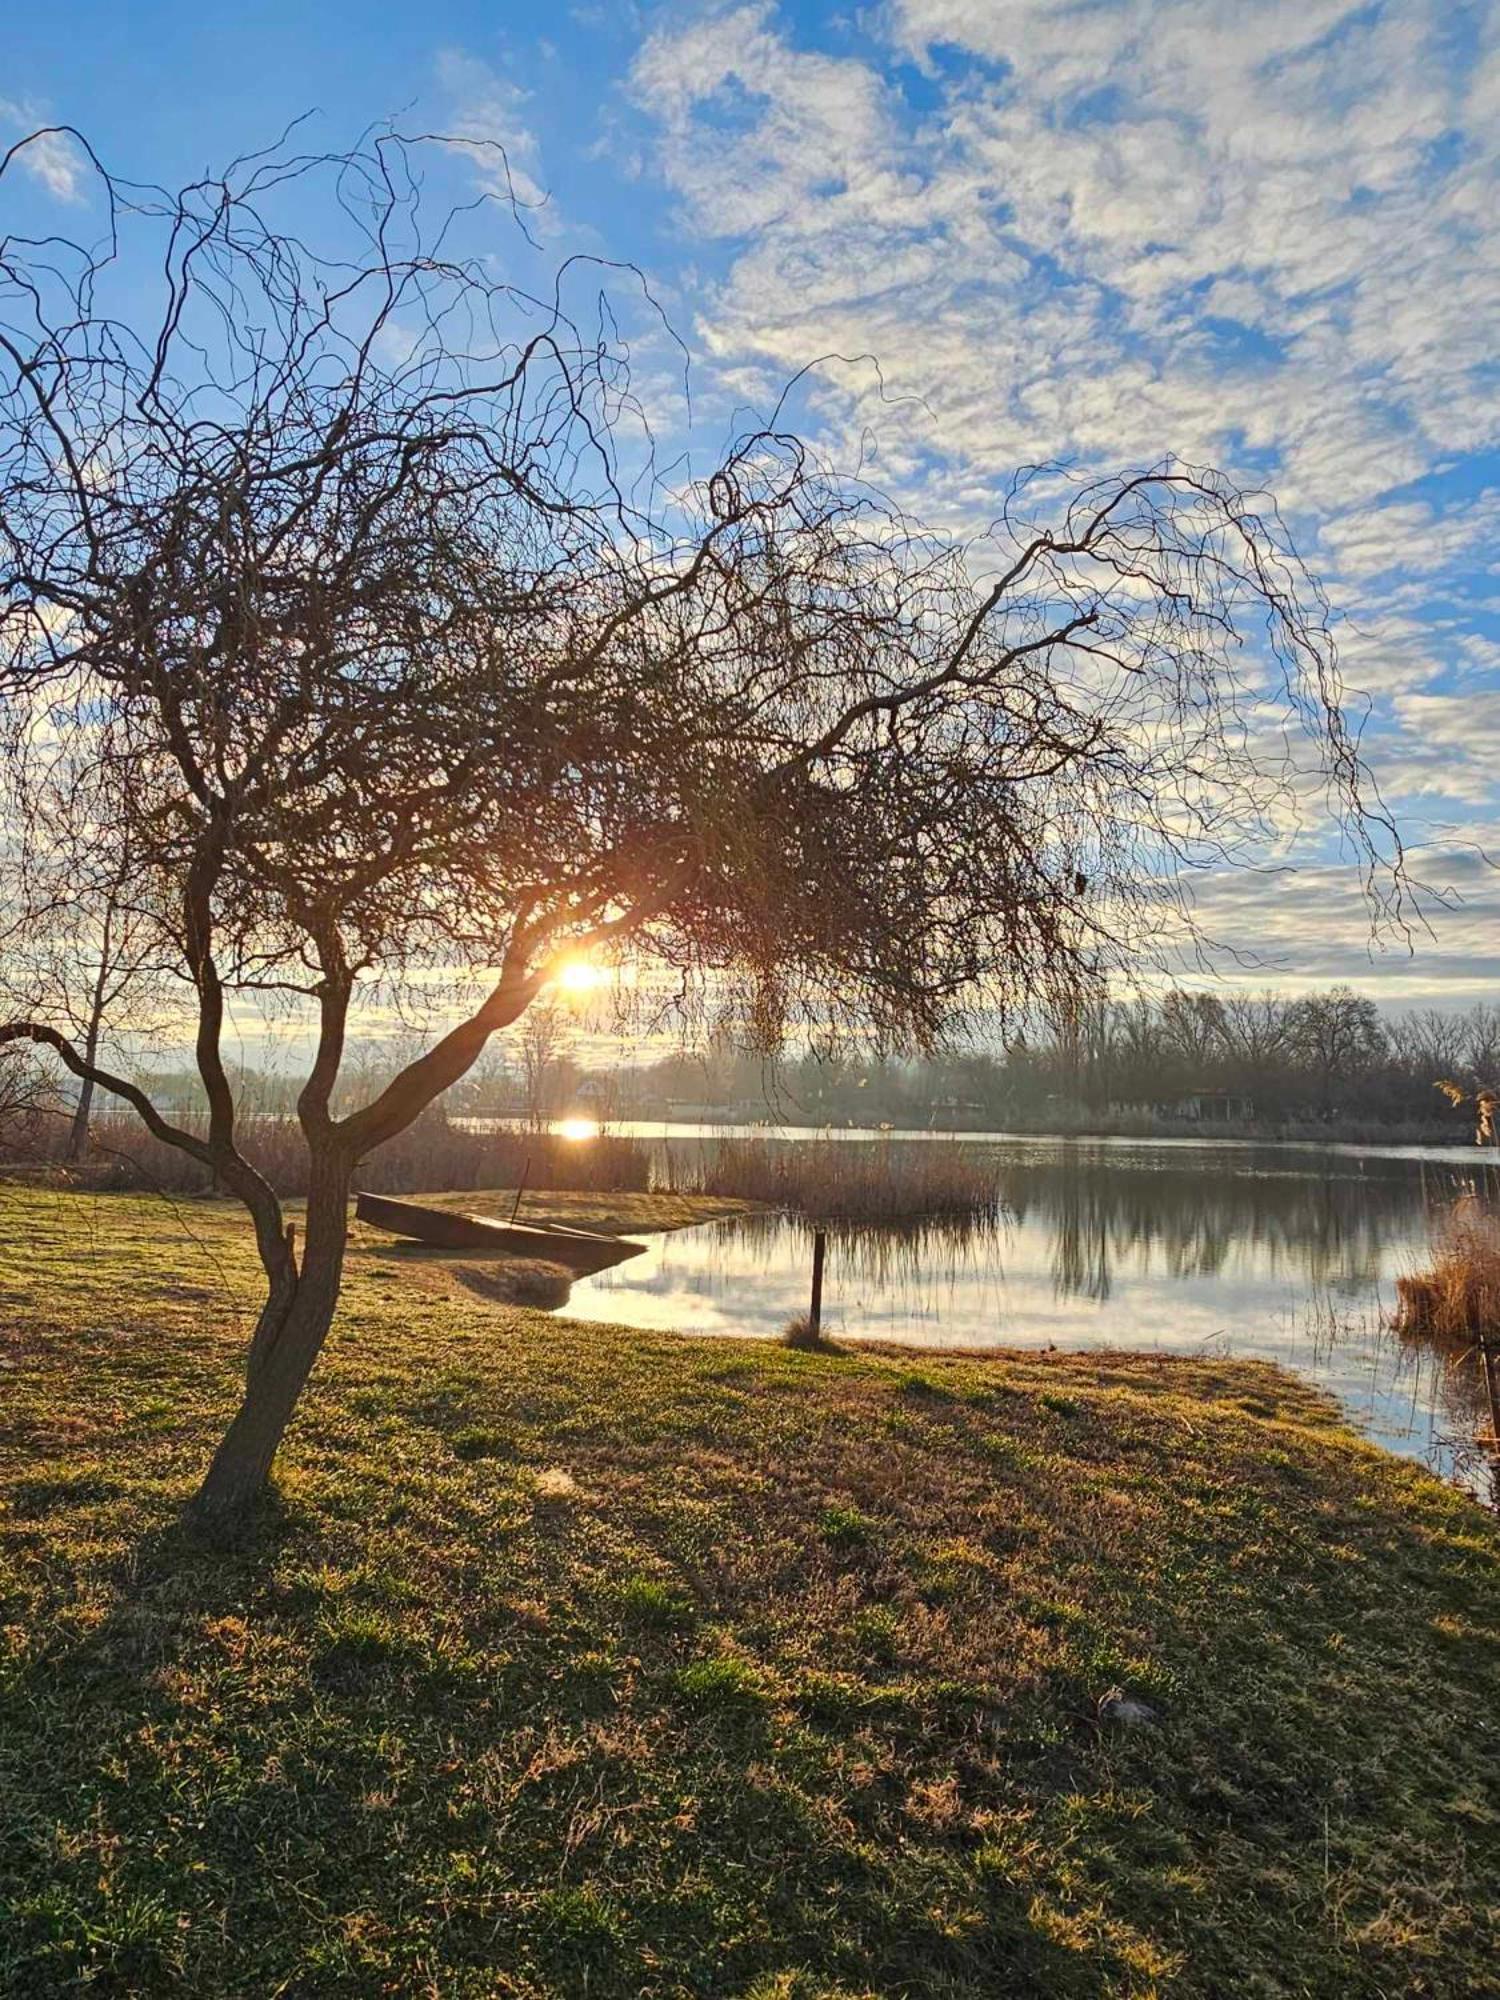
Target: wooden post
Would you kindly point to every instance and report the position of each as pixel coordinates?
(1491, 1376)
(815, 1311)
(516, 1205)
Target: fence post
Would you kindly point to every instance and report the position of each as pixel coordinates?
(1492, 1388)
(815, 1311)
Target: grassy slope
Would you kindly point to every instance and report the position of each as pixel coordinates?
(794, 1694)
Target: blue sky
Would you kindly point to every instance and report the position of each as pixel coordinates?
(1257, 233)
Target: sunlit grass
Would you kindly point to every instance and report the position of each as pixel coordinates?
(576, 1661)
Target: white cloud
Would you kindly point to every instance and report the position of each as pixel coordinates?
(1155, 227)
(51, 158)
(1450, 746)
(1413, 537)
(1267, 238)
(489, 123)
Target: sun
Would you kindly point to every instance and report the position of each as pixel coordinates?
(580, 975)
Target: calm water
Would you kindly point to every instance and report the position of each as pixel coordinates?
(1287, 1253)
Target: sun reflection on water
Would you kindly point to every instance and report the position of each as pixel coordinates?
(577, 1129)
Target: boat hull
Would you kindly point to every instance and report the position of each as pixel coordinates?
(579, 1250)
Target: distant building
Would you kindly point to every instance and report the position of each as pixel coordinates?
(958, 1114)
(1212, 1106)
(1203, 1107)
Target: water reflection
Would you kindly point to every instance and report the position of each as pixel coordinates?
(1284, 1254)
(1332, 1223)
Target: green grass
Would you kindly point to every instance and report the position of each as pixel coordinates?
(576, 1662)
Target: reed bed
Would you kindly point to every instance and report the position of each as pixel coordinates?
(1458, 1296)
(853, 1181)
(431, 1154)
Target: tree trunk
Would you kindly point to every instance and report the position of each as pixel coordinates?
(288, 1338)
(78, 1137)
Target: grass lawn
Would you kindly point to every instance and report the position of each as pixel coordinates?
(575, 1662)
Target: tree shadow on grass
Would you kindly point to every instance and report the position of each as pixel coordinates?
(201, 1783)
(199, 1787)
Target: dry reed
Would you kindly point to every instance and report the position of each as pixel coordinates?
(856, 1181)
(431, 1154)
(1458, 1296)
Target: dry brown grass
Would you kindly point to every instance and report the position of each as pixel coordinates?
(802, 1335)
(854, 1180)
(1458, 1296)
(430, 1154)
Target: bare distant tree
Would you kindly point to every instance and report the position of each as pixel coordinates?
(87, 959)
(1429, 1039)
(1338, 1035)
(351, 579)
(1257, 1027)
(1139, 1034)
(542, 1043)
(1481, 1055)
(1194, 1026)
(28, 1098)
(78, 947)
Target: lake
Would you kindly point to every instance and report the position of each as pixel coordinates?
(1285, 1253)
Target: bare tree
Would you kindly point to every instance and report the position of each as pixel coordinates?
(1430, 1040)
(86, 960)
(1338, 1035)
(1140, 1035)
(391, 653)
(1193, 1024)
(77, 947)
(1481, 1056)
(544, 1041)
(1257, 1029)
(28, 1098)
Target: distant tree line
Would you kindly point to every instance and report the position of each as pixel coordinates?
(1263, 1062)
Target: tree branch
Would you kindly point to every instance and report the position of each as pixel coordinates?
(103, 1079)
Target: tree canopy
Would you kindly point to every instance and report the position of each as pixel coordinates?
(392, 648)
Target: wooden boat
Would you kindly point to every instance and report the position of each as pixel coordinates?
(581, 1250)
